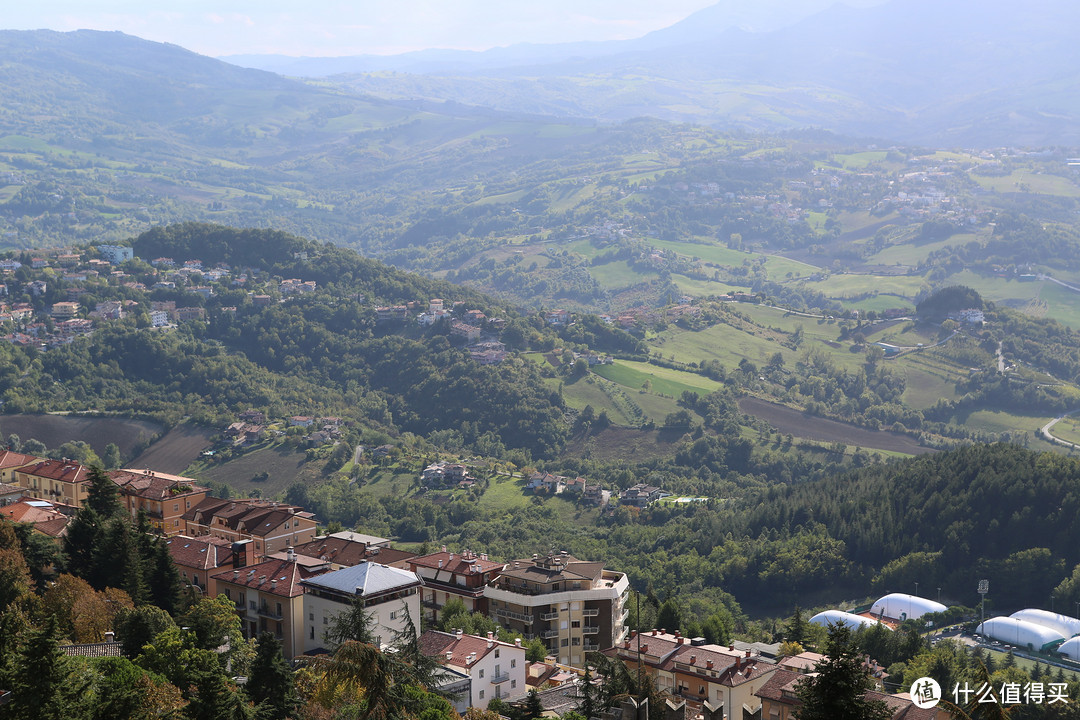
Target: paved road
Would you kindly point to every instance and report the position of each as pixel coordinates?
(1045, 431)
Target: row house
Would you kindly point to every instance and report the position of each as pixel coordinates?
(448, 575)
(10, 461)
(61, 481)
(164, 498)
(779, 698)
(196, 559)
(496, 669)
(341, 551)
(389, 595)
(271, 526)
(702, 675)
(574, 606)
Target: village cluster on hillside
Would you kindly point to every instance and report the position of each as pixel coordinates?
(285, 578)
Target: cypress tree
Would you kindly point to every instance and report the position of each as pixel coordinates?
(270, 682)
(102, 497)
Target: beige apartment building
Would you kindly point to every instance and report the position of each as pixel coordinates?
(573, 605)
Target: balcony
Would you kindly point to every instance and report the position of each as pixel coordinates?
(592, 647)
(430, 604)
(267, 611)
(550, 615)
(591, 612)
(520, 617)
(496, 679)
(548, 634)
(591, 630)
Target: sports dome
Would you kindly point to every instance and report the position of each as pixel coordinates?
(1071, 649)
(900, 606)
(851, 620)
(1020, 633)
(1067, 626)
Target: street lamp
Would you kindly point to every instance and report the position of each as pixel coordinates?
(984, 587)
(916, 589)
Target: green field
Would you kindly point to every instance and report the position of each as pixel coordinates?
(777, 266)
(1068, 429)
(850, 285)
(618, 275)
(911, 254)
(1029, 182)
(661, 380)
(999, 421)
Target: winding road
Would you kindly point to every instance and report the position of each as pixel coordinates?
(1045, 431)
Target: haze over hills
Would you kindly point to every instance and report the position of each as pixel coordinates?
(964, 73)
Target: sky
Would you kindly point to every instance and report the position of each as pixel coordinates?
(326, 28)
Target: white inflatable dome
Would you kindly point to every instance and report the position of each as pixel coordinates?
(1071, 649)
(851, 620)
(1020, 633)
(900, 606)
(1067, 626)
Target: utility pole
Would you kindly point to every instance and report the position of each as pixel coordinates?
(984, 587)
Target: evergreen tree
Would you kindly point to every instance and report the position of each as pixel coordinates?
(837, 691)
(215, 699)
(135, 628)
(162, 578)
(81, 543)
(102, 496)
(118, 561)
(669, 617)
(796, 629)
(270, 684)
(533, 707)
(44, 685)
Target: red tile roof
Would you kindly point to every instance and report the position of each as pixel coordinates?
(62, 470)
(10, 459)
(276, 577)
(203, 553)
(154, 485)
(456, 562)
(437, 644)
(348, 553)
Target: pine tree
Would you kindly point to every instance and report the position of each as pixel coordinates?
(81, 543)
(102, 495)
(43, 685)
(118, 562)
(838, 690)
(270, 684)
(162, 578)
(796, 629)
(533, 707)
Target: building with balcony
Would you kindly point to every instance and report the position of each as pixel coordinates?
(384, 592)
(164, 498)
(269, 597)
(59, 481)
(705, 676)
(448, 575)
(496, 669)
(573, 605)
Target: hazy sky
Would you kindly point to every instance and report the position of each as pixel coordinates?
(339, 27)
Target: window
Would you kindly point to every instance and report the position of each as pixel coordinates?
(481, 694)
(497, 669)
(564, 642)
(496, 657)
(312, 636)
(176, 507)
(279, 610)
(513, 663)
(576, 641)
(498, 691)
(513, 684)
(324, 620)
(311, 617)
(481, 673)
(393, 615)
(252, 605)
(228, 593)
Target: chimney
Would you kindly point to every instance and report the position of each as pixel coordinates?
(290, 554)
(490, 639)
(517, 642)
(645, 648)
(440, 564)
(273, 584)
(747, 653)
(626, 645)
(693, 659)
(235, 574)
(679, 641)
(731, 647)
(109, 636)
(708, 664)
(738, 664)
(458, 632)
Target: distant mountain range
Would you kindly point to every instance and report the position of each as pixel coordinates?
(968, 73)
